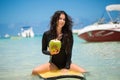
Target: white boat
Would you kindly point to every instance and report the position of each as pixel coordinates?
(27, 31)
(99, 31)
(7, 36)
(75, 31)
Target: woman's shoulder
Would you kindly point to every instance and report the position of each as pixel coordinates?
(47, 32)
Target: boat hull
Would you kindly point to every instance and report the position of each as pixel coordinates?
(100, 36)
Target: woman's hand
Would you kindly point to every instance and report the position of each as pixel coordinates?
(54, 52)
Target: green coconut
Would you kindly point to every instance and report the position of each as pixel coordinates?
(54, 45)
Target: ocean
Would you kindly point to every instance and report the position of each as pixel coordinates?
(18, 56)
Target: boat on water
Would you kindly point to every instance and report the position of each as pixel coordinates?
(100, 31)
(27, 32)
(75, 31)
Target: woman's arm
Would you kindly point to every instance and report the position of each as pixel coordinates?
(69, 52)
(45, 44)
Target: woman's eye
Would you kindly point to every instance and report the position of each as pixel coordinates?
(62, 19)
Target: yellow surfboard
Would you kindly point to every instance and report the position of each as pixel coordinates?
(59, 74)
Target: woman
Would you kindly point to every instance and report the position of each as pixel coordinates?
(60, 28)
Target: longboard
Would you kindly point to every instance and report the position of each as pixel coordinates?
(53, 75)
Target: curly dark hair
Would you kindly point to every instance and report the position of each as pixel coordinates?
(67, 28)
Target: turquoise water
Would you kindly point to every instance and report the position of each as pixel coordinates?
(19, 56)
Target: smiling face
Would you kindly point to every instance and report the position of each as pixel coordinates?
(61, 21)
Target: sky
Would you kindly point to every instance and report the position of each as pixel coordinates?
(37, 13)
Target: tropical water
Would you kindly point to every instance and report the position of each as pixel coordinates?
(18, 56)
